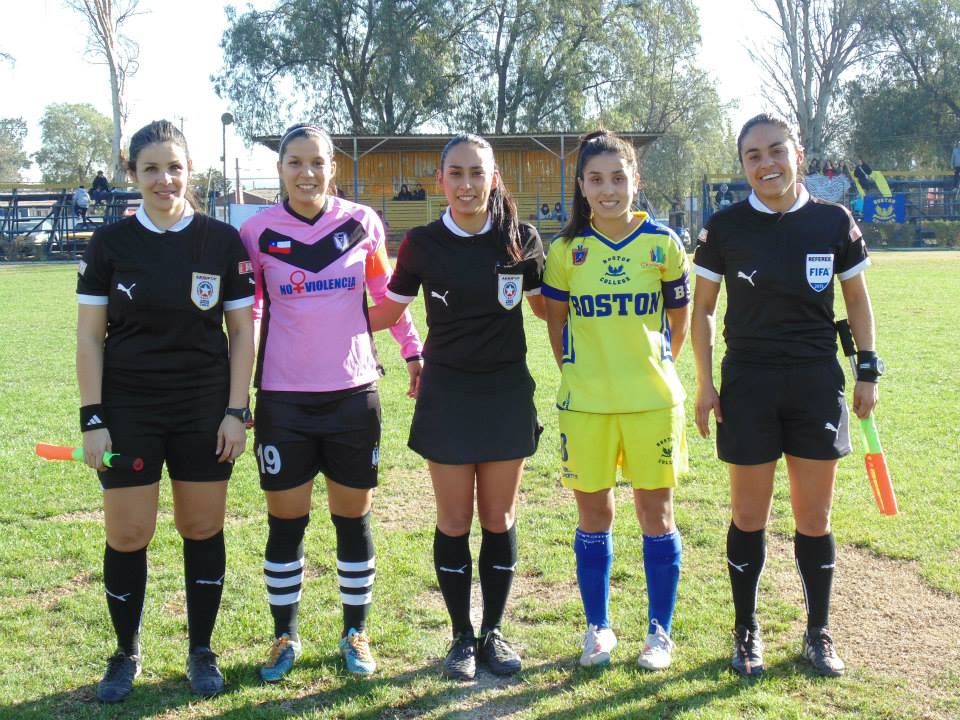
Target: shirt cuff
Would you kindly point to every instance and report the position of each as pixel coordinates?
(708, 274)
(229, 305)
(92, 299)
(534, 291)
(855, 270)
(554, 293)
(402, 299)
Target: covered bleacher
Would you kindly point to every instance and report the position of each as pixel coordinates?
(537, 168)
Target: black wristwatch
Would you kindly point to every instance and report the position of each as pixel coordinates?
(869, 366)
(242, 414)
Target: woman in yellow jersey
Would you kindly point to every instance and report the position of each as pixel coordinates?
(617, 311)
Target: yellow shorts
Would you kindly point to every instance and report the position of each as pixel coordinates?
(650, 447)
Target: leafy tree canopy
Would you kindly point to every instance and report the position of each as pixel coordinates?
(75, 143)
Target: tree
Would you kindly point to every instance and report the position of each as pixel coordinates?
(377, 66)
(105, 19)
(534, 65)
(204, 182)
(13, 158)
(653, 82)
(925, 35)
(76, 141)
(817, 42)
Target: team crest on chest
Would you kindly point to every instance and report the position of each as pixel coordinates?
(819, 271)
(509, 290)
(341, 240)
(204, 290)
(579, 255)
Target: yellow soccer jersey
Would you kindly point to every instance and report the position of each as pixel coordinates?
(616, 343)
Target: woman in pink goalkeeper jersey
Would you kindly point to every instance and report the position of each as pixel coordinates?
(315, 257)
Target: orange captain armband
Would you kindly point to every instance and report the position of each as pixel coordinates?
(377, 264)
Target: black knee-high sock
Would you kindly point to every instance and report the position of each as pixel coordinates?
(746, 553)
(283, 571)
(816, 557)
(496, 563)
(125, 582)
(204, 569)
(451, 558)
(356, 569)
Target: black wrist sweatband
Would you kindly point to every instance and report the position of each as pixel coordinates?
(866, 374)
(414, 358)
(91, 417)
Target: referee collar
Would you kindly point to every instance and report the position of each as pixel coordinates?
(448, 222)
(803, 197)
(176, 227)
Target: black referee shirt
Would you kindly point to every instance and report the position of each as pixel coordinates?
(472, 290)
(165, 295)
(778, 269)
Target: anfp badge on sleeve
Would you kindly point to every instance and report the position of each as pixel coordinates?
(509, 290)
(205, 290)
(819, 271)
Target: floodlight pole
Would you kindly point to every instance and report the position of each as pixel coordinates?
(225, 119)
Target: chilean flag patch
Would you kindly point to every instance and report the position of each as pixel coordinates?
(279, 247)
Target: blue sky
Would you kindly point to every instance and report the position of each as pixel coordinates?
(179, 50)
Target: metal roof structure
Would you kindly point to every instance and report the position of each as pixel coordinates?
(356, 146)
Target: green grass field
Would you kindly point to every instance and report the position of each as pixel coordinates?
(897, 592)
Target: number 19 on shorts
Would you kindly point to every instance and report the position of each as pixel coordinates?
(269, 458)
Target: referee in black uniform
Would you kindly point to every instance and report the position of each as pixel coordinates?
(475, 421)
(158, 380)
(782, 389)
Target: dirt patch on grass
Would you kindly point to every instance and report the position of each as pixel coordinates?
(50, 598)
(405, 502)
(77, 516)
(885, 619)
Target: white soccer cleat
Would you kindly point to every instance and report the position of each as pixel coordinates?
(658, 650)
(598, 643)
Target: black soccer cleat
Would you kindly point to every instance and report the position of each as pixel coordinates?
(495, 652)
(461, 660)
(118, 679)
(203, 672)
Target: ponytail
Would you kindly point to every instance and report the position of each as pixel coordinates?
(592, 144)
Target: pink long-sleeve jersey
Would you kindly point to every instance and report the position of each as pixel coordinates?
(311, 281)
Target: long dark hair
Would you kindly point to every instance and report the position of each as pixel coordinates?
(592, 144)
(502, 208)
(160, 131)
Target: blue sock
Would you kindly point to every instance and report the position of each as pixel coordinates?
(594, 552)
(661, 563)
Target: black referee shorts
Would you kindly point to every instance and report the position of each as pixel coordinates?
(767, 411)
(300, 434)
(180, 431)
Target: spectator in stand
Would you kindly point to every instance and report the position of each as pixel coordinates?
(100, 189)
(828, 169)
(862, 173)
(955, 160)
(723, 197)
(81, 201)
(558, 212)
(544, 213)
(404, 193)
(419, 193)
(813, 168)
